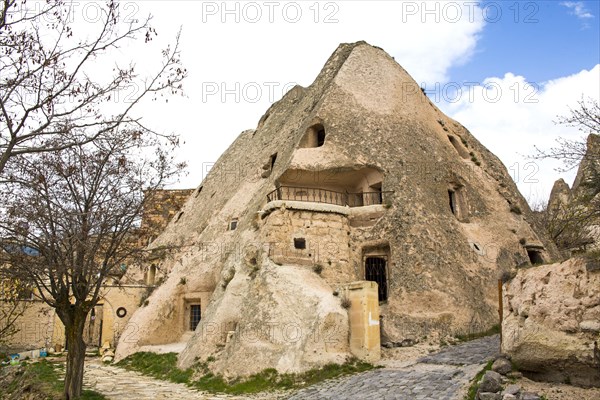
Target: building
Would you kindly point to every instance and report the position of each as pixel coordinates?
(358, 177)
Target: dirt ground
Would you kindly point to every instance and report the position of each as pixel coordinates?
(559, 391)
(399, 357)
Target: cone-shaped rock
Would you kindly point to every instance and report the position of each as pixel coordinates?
(358, 176)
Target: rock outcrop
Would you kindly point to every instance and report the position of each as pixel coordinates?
(571, 216)
(358, 176)
(586, 181)
(552, 322)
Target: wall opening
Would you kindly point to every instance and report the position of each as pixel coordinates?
(321, 136)
(458, 147)
(457, 202)
(178, 217)
(233, 224)
(535, 256)
(376, 194)
(300, 243)
(452, 201)
(198, 191)
(93, 334)
(314, 137)
(273, 159)
(151, 275)
(375, 270)
(343, 187)
(195, 316)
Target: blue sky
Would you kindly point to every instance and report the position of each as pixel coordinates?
(540, 40)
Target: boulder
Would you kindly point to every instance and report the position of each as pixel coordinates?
(502, 366)
(554, 340)
(491, 382)
(512, 390)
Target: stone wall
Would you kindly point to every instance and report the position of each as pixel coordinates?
(326, 237)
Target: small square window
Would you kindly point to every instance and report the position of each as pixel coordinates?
(300, 243)
(233, 224)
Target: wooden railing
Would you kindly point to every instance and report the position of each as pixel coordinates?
(317, 195)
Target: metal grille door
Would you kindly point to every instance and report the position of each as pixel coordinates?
(195, 316)
(375, 271)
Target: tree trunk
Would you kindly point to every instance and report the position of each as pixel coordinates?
(75, 357)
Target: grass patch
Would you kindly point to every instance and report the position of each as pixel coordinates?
(472, 392)
(43, 378)
(164, 366)
(494, 330)
(161, 366)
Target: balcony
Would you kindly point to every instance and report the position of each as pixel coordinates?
(326, 196)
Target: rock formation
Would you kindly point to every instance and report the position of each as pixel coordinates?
(358, 176)
(551, 325)
(586, 181)
(572, 215)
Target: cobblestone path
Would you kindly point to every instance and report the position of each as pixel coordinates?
(440, 376)
(120, 384)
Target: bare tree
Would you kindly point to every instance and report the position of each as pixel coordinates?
(570, 152)
(572, 225)
(80, 210)
(48, 100)
(12, 306)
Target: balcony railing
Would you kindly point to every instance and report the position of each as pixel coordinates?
(317, 195)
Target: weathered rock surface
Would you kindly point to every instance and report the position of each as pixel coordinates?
(489, 396)
(502, 366)
(491, 382)
(512, 389)
(589, 168)
(448, 222)
(560, 196)
(549, 326)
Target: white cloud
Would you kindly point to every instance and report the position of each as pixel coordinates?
(578, 9)
(511, 117)
(248, 61)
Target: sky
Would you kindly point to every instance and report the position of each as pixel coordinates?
(504, 69)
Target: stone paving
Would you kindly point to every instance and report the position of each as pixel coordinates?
(118, 383)
(440, 376)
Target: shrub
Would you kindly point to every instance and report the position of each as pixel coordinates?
(345, 302)
(515, 209)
